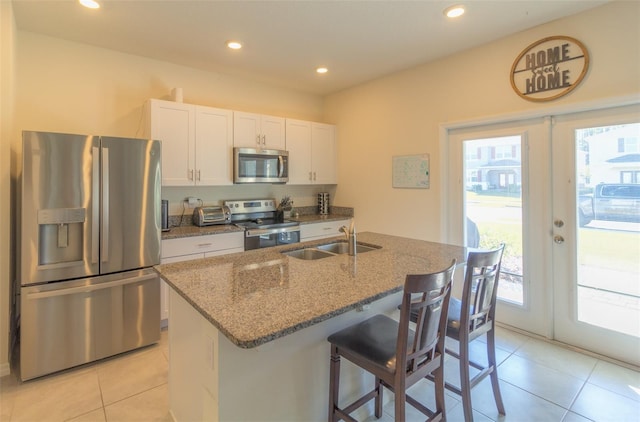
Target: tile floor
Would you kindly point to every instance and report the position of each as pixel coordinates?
(540, 381)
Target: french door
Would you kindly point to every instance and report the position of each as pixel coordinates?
(496, 194)
(596, 231)
(570, 272)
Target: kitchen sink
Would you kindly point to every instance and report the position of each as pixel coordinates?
(308, 254)
(343, 247)
(330, 249)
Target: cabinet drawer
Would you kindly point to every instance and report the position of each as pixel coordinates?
(202, 244)
(320, 230)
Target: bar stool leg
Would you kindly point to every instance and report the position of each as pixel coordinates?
(465, 382)
(334, 383)
(379, 390)
(491, 356)
(438, 380)
(400, 400)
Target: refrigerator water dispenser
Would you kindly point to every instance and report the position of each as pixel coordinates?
(60, 235)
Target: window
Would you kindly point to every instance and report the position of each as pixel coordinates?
(503, 151)
(630, 177)
(630, 144)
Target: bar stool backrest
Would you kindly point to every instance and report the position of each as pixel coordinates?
(480, 291)
(427, 296)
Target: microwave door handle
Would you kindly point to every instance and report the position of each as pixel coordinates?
(280, 166)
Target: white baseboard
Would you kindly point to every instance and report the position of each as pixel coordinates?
(5, 369)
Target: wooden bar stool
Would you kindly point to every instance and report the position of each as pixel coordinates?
(472, 317)
(395, 354)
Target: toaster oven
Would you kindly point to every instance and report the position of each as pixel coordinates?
(208, 216)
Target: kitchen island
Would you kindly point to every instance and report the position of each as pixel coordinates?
(248, 331)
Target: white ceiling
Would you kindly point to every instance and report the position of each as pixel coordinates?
(284, 41)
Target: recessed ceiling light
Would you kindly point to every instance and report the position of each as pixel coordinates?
(454, 11)
(234, 45)
(91, 4)
(322, 70)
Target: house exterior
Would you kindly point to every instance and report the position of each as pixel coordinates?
(613, 156)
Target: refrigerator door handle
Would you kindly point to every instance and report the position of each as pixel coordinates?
(90, 288)
(105, 204)
(95, 206)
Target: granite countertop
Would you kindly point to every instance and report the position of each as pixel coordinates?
(190, 230)
(257, 296)
(317, 218)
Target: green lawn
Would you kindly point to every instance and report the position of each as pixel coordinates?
(618, 250)
(613, 249)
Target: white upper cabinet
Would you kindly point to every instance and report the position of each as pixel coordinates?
(214, 146)
(312, 152)
(197, 143)
(258, 131)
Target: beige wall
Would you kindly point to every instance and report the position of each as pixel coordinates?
(401, 114)
(72, 87)
(7, 60)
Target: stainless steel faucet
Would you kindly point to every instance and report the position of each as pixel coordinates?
(350, 233)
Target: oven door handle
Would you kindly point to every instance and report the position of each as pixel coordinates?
(262, 232)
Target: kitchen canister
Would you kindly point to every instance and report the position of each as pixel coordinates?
(176, 95)
(323, 203)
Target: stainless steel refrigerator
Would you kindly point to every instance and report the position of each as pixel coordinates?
(90, 223)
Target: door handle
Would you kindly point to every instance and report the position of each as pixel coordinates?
(95, 207)
(104, 253)
(91, 287)
(558, 223)
(558, 239)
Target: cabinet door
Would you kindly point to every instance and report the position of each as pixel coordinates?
(316, 231)
(299, 146)
(324, 153)
(246, 130)
(258, 131)
(214, 146)
(173, 123)
(273, 130)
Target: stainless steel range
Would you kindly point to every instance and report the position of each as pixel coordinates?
(262, 227)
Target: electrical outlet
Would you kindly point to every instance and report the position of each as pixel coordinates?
(192, 201)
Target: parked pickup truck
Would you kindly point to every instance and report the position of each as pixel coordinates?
(616, 201)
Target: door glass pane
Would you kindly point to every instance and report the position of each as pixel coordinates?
(608, 248)
(493, 203)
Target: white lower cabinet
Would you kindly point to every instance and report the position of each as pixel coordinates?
(195, 247)
(316, 231)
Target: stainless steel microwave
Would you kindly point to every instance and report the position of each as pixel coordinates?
(252, 165)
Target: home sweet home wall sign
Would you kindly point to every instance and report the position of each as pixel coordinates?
(549, 68)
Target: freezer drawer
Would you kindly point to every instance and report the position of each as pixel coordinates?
(71, 323)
